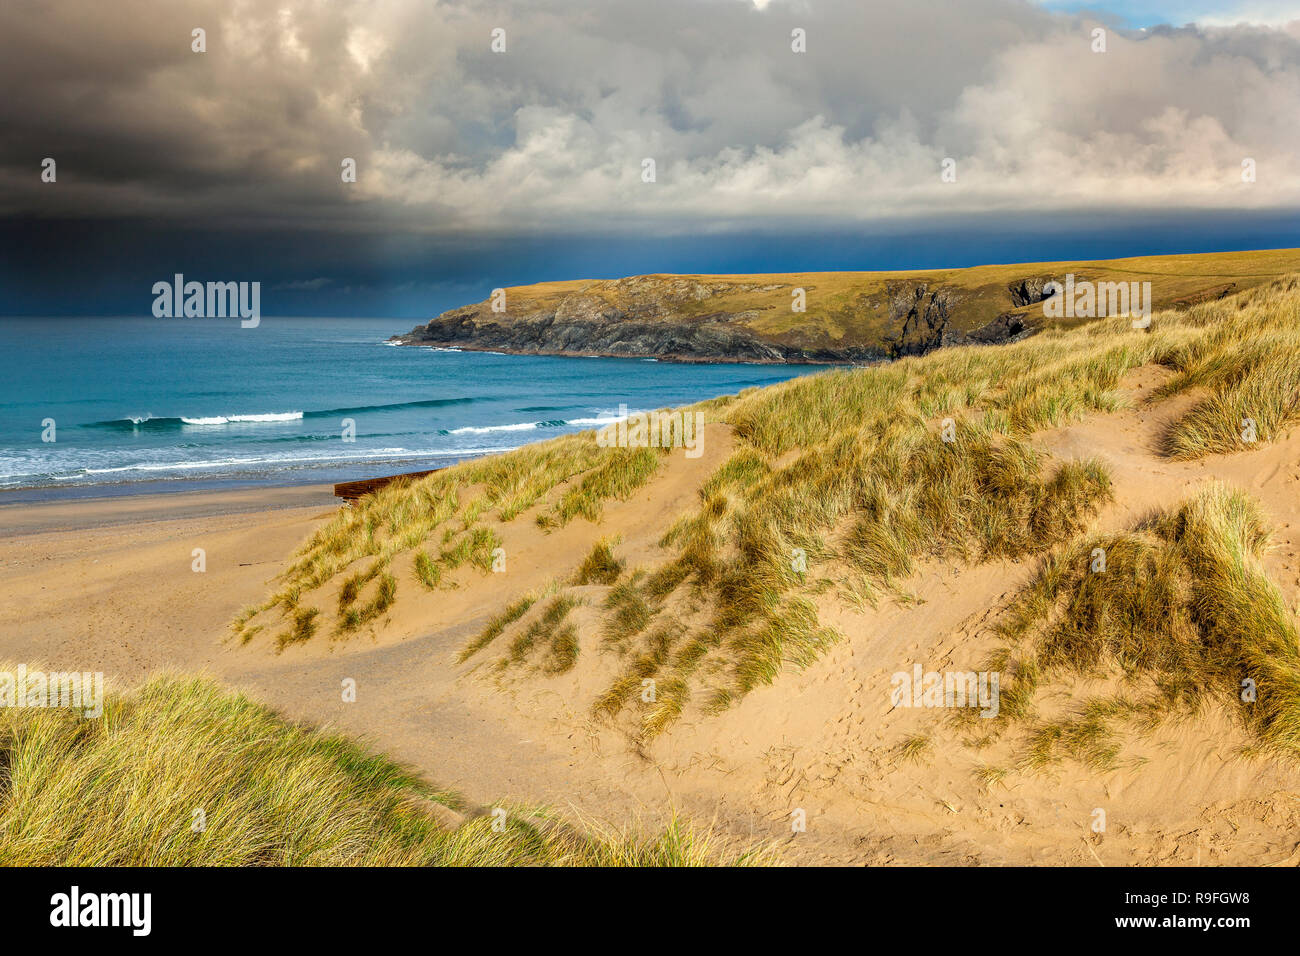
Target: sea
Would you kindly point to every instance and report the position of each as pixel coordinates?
(105, 406)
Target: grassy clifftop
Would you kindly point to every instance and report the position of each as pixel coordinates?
(848, 316)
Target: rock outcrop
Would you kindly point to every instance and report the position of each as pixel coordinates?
(1030, 291)
(924, 317)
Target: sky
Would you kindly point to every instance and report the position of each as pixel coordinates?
(1150, 13)
(904, 135)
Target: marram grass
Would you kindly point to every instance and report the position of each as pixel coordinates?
(183, 773)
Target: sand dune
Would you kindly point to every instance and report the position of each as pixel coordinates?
(92, 586)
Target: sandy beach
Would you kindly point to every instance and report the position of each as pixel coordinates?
(108, 583)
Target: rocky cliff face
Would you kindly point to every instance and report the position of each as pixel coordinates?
(923, 316)
(547, 333)
(669, 317)
(1030, 291)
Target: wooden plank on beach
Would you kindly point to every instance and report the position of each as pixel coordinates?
(352, 490)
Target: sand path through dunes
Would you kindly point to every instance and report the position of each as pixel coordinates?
(90, 588)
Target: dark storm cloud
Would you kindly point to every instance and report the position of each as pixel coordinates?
(549, 136)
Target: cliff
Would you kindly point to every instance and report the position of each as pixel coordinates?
(846, 316)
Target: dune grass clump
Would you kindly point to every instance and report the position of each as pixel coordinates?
(1258, 398)
(599, 566)
(304, 626)
(474, 547)
(352, 616)
(914, 749)
(557, 638)
(1090, 736)
(1181, 605)
(664, 693)
(428, 571)
(621, 472)
(986, 499)
(182, 773)
(498, 624)
(629, 613)
(790, 635)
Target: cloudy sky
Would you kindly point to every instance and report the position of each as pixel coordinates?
(478, 168)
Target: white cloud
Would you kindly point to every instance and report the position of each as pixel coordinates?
(551, 135)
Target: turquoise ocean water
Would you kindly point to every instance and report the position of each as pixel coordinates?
(146, 404)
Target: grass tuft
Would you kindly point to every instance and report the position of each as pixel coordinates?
(497, 625)
(599, 566)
